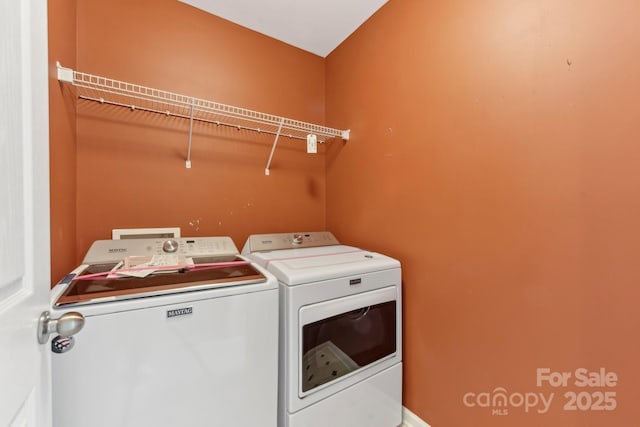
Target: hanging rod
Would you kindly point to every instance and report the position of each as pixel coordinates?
(136, 97)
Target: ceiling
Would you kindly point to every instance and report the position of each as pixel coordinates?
(317, 26)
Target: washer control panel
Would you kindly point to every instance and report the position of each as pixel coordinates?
(114, 250)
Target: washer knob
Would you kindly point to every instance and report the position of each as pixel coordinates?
(170, 246)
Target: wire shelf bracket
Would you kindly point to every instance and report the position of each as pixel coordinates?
(136, 97)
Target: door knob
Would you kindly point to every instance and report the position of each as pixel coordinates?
(67, 325)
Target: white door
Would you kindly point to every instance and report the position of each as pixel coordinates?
(25, 396)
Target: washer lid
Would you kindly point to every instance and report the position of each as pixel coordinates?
(299, 266)
(91, 283)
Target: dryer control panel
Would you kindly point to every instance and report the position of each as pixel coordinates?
(279, 241)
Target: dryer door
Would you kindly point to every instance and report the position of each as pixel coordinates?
(339, 337)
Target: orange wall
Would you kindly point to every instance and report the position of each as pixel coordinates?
(131, 165)
(495, 152)
(62, 134)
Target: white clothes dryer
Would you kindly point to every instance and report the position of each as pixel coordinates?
(340, 359)
(192, 344)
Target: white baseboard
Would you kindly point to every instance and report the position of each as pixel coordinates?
(409, 419)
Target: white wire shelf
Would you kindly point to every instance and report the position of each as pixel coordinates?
(136, 97)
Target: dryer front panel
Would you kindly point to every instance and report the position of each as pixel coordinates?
(353, 323)
(340, 337)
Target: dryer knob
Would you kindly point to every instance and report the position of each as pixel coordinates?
(170, 246)
(297, 239)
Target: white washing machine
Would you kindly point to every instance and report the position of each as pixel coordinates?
(340, 331)
(192, 344)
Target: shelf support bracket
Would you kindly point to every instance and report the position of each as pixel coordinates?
(273, 149)
(64, 74)
(188, 165)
